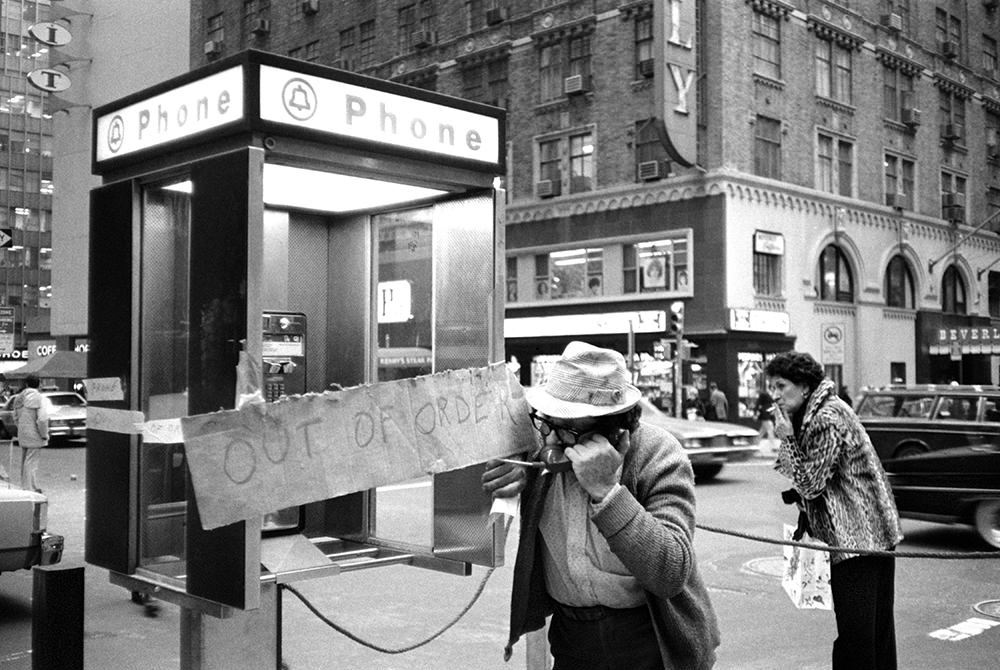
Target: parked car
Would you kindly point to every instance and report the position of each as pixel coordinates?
(67, 415)
(957, 485)
(906, 421)
(24, 540)
(709, 444)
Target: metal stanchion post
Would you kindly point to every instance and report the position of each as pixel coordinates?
(57, 618)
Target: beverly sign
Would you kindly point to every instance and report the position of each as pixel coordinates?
(304, 101)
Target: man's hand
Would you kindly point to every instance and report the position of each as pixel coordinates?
(596, 462)
(503, 480)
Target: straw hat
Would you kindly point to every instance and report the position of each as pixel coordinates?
(586, 381)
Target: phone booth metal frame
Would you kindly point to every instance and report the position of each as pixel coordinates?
(191, 243)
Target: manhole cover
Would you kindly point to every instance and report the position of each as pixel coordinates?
(989, 608)
(769, 566)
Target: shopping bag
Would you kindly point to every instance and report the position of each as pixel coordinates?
(806, 575)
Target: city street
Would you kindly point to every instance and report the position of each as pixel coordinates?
(398, 606)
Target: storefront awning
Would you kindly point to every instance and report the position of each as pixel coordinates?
(60, 365)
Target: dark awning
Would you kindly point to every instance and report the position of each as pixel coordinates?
(60, 365)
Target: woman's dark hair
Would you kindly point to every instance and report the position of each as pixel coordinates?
(797, 367)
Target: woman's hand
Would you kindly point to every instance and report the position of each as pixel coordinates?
(782, 424)
(503, 480)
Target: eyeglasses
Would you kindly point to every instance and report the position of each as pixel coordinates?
(545, 428)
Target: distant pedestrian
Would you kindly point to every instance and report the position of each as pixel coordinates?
(32, 421)
(718, 404)
(839, 484)
(765, 405)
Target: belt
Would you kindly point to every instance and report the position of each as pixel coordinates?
(593, 612)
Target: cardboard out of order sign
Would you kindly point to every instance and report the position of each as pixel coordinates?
(266, 456)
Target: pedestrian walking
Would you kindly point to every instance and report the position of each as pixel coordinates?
(765, 405)
(606, 542)
(839, 484)
(718, 403)
(32, 421)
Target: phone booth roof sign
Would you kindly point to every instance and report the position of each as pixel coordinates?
(257, 91)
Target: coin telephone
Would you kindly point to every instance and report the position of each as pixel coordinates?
(284, 354)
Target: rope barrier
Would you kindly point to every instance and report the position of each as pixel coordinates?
(386, 650)
(850, 550)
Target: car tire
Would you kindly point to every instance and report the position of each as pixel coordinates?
(706, 472)
(909, 451)
(988, 521)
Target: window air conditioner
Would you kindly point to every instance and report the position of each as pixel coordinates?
(310, 7)
(213, 48)
(948, 49)
(495, 15)
(576, 84)
(893, 22)
(646, 67)
(954, 213)
(953, 200)
(423, 39)
(951, 131)
(261, 27)
(910, 117)
(650, 170)
(548, 188)
(895, 200)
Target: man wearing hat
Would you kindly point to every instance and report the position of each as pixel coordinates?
(606, 544)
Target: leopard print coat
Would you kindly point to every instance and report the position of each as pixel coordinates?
(833, 466)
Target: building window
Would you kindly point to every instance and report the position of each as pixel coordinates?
(767, 147)
(407, 25)
(649, 150)
(899, 7)
(836, 281)
(833, 71)
(214, 31)
(310, 52)
(767, 45)
(991, 63)
(993, 293)
(767, 274)
(367, 50)
(347, 54)
(899, 184)
(947, 31)
(644, 46)
(834, 165)
(897, 372)
(550, 161)
(897, 93)
(486, 82)
(581, 163)
(550, 72)
(992, 124)
(657, 265)
(512, 279)
(579, 57)
(952, 115)
(952, 197)
(993, 208)
(573, 273)
(952, 291)
(899, 284)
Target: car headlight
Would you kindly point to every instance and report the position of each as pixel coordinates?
(692, 443)
(41, 520)
(745, 441)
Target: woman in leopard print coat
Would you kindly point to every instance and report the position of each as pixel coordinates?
(845, 495)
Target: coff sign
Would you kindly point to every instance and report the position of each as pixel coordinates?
(353, 111)
(188, 109)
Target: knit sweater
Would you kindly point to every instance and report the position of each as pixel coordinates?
(835, 470)
(649, 525)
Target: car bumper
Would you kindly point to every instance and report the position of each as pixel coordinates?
(47, 551)
(703, 455)
(51, 549)
(67, 431)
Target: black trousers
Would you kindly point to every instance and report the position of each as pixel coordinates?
(863, 597)
(581, 639)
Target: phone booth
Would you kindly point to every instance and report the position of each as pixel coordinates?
(333, 228)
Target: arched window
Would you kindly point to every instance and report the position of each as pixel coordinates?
(952, 291)
(899, 284)
(835, 280)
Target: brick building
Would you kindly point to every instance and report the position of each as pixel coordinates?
(802, 173)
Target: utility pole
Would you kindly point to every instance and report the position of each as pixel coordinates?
(676, 330)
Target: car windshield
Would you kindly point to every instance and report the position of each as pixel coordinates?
(890, 405)
(66, 400)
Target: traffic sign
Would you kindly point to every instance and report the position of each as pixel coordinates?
(6, 238)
